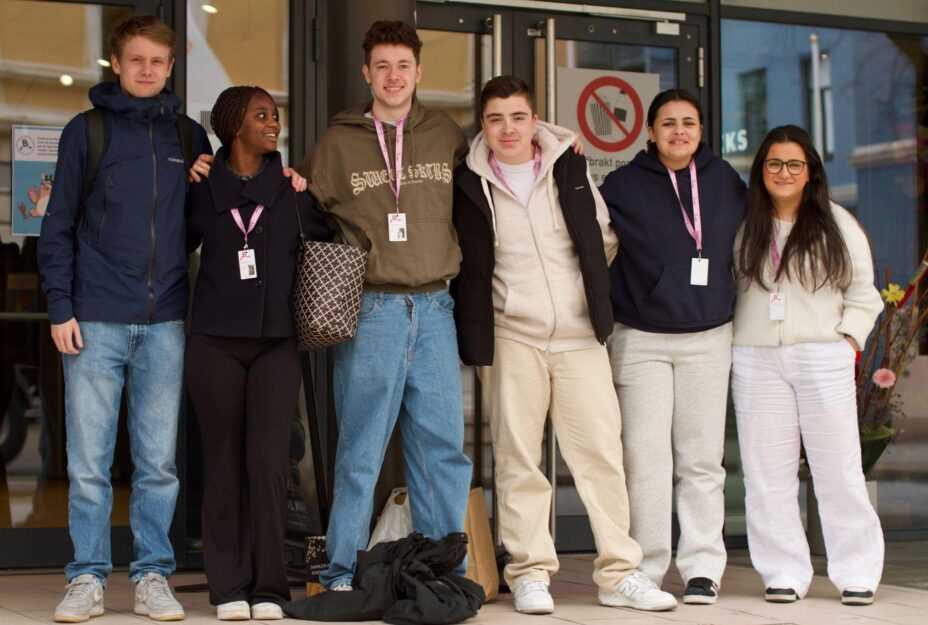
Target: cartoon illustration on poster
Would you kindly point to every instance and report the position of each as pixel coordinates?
(35, 153)
(607, 109)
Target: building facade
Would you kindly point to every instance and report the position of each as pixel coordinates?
(854, 73)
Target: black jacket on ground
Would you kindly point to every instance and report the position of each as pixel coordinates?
(472, 289)
(405, 582)
(223, 303)
(651, 288)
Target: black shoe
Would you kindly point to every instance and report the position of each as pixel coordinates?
(701, 591)
(780, 595)
(857, 596)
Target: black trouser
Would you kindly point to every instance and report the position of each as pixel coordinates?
(244, 393)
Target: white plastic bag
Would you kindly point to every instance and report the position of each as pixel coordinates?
(395, 521)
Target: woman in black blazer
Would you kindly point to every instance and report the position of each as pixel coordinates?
(242, 367)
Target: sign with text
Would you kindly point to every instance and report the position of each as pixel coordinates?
(608, 110)
(35, 153)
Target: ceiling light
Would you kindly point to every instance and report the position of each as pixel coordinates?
(209, 7)
(103, 63)
(66, 80)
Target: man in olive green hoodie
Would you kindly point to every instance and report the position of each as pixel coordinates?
(402, 366)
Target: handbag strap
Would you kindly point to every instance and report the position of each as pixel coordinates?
(296, 207)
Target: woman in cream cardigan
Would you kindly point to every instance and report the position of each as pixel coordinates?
(806, 304)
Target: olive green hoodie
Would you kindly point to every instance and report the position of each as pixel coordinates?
(348, 176)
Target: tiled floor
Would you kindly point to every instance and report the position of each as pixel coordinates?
(28, 599)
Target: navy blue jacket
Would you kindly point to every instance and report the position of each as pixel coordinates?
(650, 277)
(126, 261)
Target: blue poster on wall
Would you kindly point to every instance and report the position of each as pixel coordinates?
(35, 153)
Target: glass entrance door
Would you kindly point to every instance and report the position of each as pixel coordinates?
(600, 73)
(51, 54)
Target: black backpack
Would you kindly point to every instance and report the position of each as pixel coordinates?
(98, 140)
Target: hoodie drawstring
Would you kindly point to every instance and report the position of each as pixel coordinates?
(552, 204)
(489, 196)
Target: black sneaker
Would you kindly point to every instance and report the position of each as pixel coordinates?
(780, 595)
(701, 591)
(857, 596)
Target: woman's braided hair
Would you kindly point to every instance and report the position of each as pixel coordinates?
(229, 110)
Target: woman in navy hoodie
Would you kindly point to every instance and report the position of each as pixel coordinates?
(676, 208)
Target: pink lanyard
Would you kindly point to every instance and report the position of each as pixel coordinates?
(695, 232)
(251, 224)
(774, 252)
(381, 138)
(497, 170)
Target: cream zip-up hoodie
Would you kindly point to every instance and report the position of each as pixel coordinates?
(538, 294)
(824, 315)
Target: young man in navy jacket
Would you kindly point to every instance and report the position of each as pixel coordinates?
(114, 270)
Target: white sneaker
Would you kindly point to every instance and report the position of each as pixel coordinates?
(637, 591)
(532, 597)
(154, 599)
(266, 611)
(83, 599)
(233, 611)
(342, 587)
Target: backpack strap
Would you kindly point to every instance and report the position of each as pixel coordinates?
(97, 139)
(185, 132)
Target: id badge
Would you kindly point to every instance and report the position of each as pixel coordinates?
(396, 225)
(699, 272)
(247, 267)
(777, 307)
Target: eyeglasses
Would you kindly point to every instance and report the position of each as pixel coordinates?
(775, 166)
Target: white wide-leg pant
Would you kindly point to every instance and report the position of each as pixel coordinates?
(804, 392)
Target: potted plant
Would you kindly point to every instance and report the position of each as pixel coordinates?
(887, 356)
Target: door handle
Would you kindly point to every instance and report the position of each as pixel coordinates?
(497, 28)
(550, 78)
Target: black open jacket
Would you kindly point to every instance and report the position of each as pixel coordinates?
(223, 303)
(472, 289)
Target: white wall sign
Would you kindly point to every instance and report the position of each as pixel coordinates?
(608, 110)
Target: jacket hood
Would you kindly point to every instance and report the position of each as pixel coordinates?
(553, 141)
(358, 116)
(110, 96)
(649, 159)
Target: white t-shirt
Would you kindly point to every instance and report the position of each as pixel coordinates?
(520, 179)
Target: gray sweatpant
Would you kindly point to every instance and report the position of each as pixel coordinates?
(673, 391)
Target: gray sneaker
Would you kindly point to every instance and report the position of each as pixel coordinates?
(83, 599)
(153, 598)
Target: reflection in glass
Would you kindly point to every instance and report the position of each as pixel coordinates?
(50, 54)
(873, 93)
(614, 57)
(232, 47)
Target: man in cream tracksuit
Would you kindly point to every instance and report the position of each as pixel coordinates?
(532, 307)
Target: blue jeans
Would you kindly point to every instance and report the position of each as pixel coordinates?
(402, 366)
(149, 361)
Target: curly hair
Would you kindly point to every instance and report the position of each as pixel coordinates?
(391, 33)
(229, 110)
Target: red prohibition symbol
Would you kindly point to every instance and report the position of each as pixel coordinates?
(589, 93)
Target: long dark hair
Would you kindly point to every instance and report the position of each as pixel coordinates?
(815, 251)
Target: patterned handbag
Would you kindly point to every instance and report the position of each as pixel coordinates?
(327, 291)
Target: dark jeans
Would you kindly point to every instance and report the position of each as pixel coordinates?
(244, 393)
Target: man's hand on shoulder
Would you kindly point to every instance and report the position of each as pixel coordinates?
(296, 180)
(67, 337)
(200, 167)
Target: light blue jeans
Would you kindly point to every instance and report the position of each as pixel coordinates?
(149, 361)
(402, 366)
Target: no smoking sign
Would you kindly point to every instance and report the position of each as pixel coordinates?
(610, 113)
